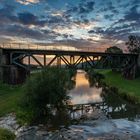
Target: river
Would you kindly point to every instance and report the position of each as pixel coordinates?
(106, 116)
(95, 114)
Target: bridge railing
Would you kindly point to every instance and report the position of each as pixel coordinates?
(49, 47)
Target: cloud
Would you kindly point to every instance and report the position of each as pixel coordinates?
(27, 18)
(20, 31)
(26, 2)
(7, 14)
(84, 7)
(133, 15)
(79, 23)
(26, 33)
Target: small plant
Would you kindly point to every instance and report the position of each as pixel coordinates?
(6, 134)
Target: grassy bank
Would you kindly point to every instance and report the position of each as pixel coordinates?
(9, 97)
(131, 87)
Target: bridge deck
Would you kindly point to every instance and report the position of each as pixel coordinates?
(63, 52)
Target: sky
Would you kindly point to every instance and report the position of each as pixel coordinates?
(76, 23)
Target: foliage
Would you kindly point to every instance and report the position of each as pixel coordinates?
(45, 94)
(113, 49)
(94, 77)
(133, 44)
(128, 88)
(111, 96)
(6, 135)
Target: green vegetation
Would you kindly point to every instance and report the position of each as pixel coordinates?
(9, 97)
(45, 96)
(97, 77)
(53, 83)
(6, 135)
(113, 49)
(131, 88)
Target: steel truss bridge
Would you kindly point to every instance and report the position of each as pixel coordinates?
(35, 58)
(71, 59)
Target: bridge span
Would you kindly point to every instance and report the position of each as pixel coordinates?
(16, 62)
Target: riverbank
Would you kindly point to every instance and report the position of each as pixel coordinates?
(9, 97)
(130, 87)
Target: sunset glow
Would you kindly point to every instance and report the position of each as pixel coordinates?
(77, 23)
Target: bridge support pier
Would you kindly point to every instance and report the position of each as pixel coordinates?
(11, 74)
(14, 75)
(138, 66)
(134, 70)
(58, 61)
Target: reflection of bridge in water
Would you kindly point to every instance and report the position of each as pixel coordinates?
(17, 61)
(93, 111)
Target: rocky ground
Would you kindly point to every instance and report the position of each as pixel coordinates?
(92, 129)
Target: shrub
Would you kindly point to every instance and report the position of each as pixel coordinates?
(45, 93)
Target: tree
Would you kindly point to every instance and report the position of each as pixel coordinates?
(113, 49)
(45, 95)
(133, 44)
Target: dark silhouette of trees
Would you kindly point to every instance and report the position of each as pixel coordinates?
(133, 44)
(113, 49)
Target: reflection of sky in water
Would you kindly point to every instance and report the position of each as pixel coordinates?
(82, 93)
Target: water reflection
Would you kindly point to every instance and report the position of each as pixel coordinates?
(105, 99)
(82, 93)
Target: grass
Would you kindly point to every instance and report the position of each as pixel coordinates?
(6, 135)
(131, 87)
(9, 97)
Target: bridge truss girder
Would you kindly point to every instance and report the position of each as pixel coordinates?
(97, 61)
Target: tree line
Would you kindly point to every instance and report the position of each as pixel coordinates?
(133, 46)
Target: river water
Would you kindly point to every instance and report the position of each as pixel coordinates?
(113, 105)
(82, 93)
(107, 117)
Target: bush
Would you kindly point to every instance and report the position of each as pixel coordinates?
(6, 135)
(45, 93)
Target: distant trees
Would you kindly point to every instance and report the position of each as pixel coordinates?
(133, 44)
(45, 95)
(113, 49)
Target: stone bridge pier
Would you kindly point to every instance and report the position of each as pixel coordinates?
(9, 73)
